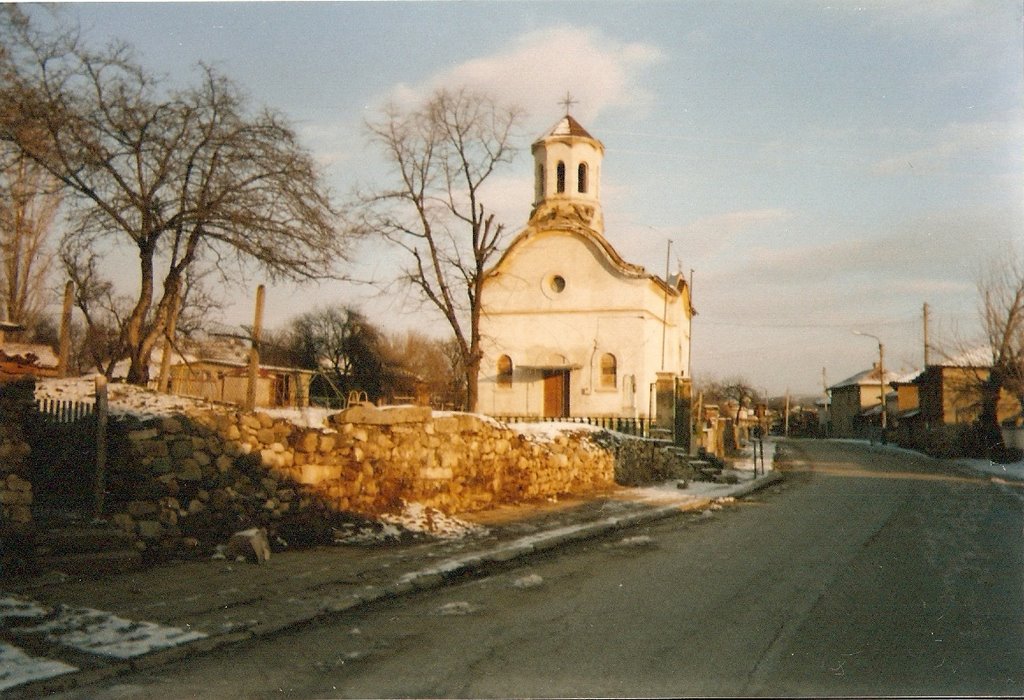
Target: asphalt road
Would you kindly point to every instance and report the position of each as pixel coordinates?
(864, 573)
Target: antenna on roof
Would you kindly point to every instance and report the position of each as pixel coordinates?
(568, 102)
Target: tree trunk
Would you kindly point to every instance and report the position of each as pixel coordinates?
(991, 434)
(472, 383)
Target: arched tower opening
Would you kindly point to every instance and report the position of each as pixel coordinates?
(574, 156)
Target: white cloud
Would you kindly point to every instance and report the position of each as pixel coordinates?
(731, 224)
(964, 139)
(537, 69)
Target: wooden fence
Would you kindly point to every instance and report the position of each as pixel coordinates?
(64, 411)
(639, 427)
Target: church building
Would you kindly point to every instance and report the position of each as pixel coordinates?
(568, 327)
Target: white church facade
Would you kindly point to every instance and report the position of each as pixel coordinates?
(568, 327)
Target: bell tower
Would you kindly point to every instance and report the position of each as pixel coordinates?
(567, 175)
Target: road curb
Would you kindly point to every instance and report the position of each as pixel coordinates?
(443, 574)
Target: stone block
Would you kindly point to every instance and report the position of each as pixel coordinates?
(18, 514)
(318, 473)
(371, 415)
(181, 448)
(224, 463)
(138, 509)
(15, 498)
(153, 448)
(252, 545)
(436, 473)
(445, 425)
(189, 470)
(149, 529)
(16, 483)
(160, 465)
(307, 442)
(171, 425)
(142, 435)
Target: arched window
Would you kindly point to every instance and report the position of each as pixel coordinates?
(581, 178)
(609, 369)
(561, 177)
(505, 372)
(540, 181)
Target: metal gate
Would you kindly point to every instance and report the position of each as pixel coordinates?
(62, 462)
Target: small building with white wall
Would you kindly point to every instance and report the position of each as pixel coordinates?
(569, 328)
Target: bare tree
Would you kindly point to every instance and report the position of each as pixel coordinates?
(441, 154)
(343, 344)
(28, 206)
(428, 359)
(177, 176)
(738, 389)
(1001, 309)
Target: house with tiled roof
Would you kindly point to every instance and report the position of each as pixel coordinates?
(569, 327)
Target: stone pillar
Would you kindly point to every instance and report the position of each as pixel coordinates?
(665, 405)
(684, 413)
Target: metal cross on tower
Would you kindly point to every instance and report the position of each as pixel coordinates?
(568, 102)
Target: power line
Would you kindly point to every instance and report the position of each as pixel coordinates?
(776, 324)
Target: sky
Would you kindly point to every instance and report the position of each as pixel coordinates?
(821, 167)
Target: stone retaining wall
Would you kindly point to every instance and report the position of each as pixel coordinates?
(17, 402)
(640, 461)
(184, 480)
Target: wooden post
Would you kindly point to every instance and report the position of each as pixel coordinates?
(65, 331)
(101, 443)
(254, 352)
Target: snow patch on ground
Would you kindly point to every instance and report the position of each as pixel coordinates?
(1013, 471)
(457, 608)
(636, 541)
(416, 517)
(20, 609)
(122, 399)
(106, 634)
(528, 581)
(745, 460)
(17, 667)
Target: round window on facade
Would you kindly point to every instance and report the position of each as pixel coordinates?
(557, 284)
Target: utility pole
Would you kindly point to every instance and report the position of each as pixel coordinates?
(881, 386)
(926, 335)
(881, 378)
(664, 311)
(689, 331)
(254, 352)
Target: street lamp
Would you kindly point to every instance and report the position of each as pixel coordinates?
(881, 377)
